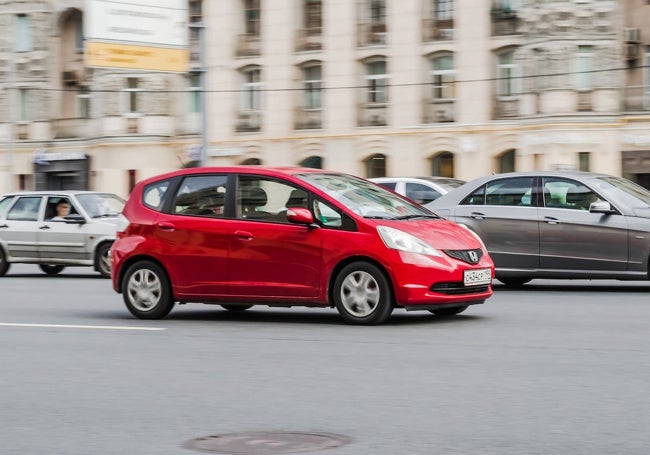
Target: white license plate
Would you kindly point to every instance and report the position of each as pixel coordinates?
(476, 277)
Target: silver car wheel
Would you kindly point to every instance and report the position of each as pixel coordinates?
(144, 289)
(360, 294)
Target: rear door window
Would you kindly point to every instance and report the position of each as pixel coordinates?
(25, 209)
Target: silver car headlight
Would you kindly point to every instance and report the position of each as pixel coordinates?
(400, 240)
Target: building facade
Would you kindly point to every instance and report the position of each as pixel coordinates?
(458, 88)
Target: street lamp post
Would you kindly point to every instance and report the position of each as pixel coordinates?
(202, 95)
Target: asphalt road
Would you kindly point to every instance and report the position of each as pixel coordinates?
(554, 368)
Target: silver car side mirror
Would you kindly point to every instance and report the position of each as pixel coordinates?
(600, 207)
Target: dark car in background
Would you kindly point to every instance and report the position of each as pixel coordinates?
(419, 189)
(556, 224)
(244, 235)
(31, 232)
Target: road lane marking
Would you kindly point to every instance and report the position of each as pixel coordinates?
(66, 326)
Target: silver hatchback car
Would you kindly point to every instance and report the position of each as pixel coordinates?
(55, 229)
(419, 189)
(556, 224)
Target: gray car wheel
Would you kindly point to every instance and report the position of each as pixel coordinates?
(4, 265)
(146, 291)
(362, 294)
(103, 260)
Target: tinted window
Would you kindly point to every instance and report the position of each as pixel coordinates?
(421, 193)
(511, 192)
(202, 195)
(25, 209)
(389, 185)
(4, 204)
(567, 194)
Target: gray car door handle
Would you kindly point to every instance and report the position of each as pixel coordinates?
(551, 220)
(478, 216)
(44, 227)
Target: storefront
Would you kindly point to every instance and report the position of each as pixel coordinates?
(61, 171)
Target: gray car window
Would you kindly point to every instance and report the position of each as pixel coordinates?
(567, 194)
(25, 209)
(516, 191)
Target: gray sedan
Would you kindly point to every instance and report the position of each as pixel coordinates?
(556, 224)
(56, 229)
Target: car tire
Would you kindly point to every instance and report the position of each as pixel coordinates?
(103, 260)
(362, 294)
(514, 282)
(51, 269)
(4, 264)
(236, 308)
(146, 291)
(453, 311)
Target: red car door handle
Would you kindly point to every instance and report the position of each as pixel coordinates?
(166, 226)
(244, 235)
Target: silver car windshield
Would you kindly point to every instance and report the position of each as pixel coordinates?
(101, 205)
(624, 190)
(366, 198)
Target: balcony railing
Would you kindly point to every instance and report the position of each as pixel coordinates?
(248, 45)
(439, 110)
(504, 22)
(636, 98)
(248, 121)
(371, 34)
(64, 128)
(506, 107)
(373, 114)
(308, 118)
(309, 39)
(437, 30)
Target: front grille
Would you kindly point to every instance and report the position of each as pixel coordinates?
(469, 256)
(458, 288)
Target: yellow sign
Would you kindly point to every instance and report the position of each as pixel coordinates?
(110, 55)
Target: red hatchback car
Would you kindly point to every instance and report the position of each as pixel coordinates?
(244, 235)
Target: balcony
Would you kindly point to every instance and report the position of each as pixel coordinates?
(68, 128)
(371, 34)
(309, 39)
(248, 45)
(248, 122)
(307, 118)
(504, 22)
(636, 98)
(506, 107)
(437, 30)
(584, 101)
(439, 111)
(373, 114)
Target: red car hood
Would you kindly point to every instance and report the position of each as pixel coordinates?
(440, 234)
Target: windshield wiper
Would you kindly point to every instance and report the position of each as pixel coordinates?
(410, 217)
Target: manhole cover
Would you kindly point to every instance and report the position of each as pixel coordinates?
(266, 443)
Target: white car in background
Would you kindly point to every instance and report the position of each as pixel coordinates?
(419, 189)
(30, 234)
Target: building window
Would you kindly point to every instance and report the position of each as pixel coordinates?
(507, 74)
(443, 164)
(252, 16)
(376, 82)
(376, 166)
(312, 84)
(377, 11)
(443, 9)
(131, 95)
(23, 96)
(79, 34)
(313, 15)
(584, 66)
(506, 161)
(583, 161)
(195, 92)
(251, 99)
(443, 77)
(83, 99)
(22, 34)
(132, 175)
